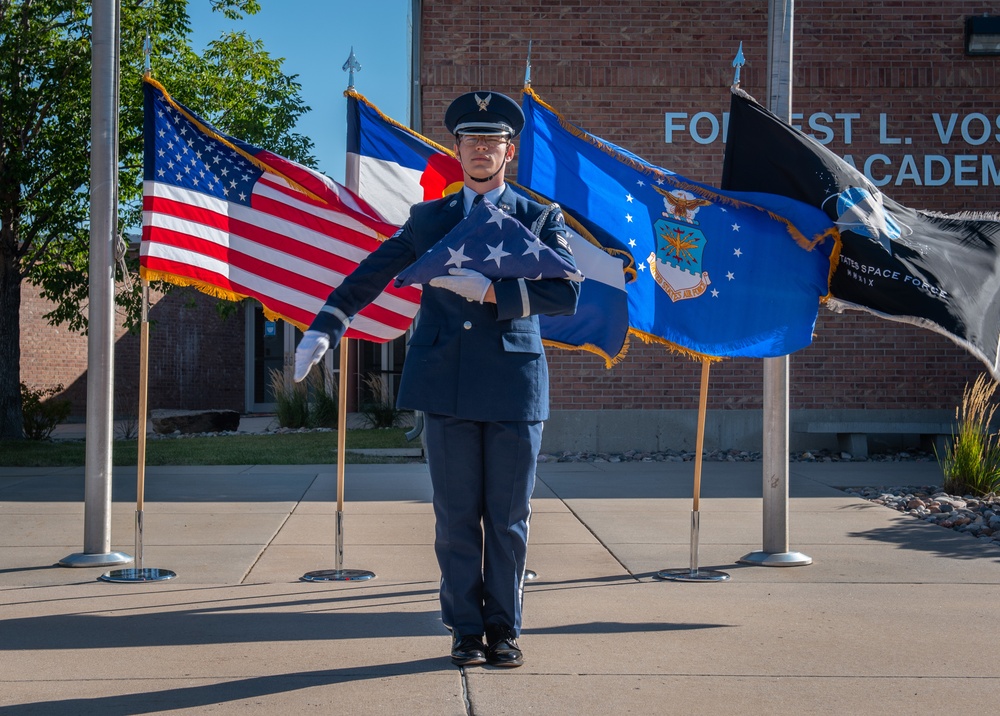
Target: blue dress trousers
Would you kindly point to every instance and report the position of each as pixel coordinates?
(479, 374)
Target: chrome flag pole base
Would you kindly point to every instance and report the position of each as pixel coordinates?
(692, 575)
(103, 559)
(780, 559)
(138, 573)
(134, 575)
(338, 575)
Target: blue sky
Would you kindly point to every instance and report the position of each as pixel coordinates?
(315, 38)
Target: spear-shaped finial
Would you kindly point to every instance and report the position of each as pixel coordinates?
(147, 47)
(738, 62)
(350, 67)
(527, 67)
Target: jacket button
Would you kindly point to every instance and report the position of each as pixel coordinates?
(467, 325)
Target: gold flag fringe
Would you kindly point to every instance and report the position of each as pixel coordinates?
(215, 135)
(609, 361)
(212, 290)
(673, 347)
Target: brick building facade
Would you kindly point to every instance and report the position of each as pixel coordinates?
(653, 77)
(191, 355)
(887, 84)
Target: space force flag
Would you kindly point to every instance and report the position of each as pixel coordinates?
(237, 221)
(397, 167)
(718, 275)
(936, 271)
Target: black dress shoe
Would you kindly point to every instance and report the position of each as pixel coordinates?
(467, 651)
(501, 646)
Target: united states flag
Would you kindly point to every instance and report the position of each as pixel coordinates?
(240, 222)
(484, 234)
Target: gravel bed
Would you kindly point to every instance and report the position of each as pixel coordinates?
(730, 456)
(978, 516)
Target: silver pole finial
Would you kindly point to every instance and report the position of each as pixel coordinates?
(738, 63)
(351, 66)
(527, 67)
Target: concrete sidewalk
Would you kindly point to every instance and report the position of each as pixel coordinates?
(895, 616)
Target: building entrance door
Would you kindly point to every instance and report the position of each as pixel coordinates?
(266, 348)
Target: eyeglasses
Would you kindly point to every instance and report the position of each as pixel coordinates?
(474, 140)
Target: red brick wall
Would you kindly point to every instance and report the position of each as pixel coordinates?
(196, 359)
(615, 68)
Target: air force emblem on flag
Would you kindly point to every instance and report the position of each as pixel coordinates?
(493, 243)
(676, 262)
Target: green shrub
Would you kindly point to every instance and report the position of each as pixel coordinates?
(306, 404)
(42, 413)
(126, 415)
(324, 411)
(378, 409)
(971, 464)
(292, 403)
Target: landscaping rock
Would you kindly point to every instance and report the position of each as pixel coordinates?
(194, 421)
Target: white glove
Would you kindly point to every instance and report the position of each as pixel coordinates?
(465, 282)
(311, 348)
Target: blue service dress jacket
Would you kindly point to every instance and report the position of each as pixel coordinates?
(468, 360)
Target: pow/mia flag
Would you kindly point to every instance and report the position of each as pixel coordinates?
(940, 272)
(493, 243)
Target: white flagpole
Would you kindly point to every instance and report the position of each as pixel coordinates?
(100, 336)
(339, 574)
(775, 552)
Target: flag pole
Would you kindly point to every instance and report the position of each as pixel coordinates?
(775, 552)
(138, 573)
(339, 574)
(530, 575)
(100, 335)
(693, 574)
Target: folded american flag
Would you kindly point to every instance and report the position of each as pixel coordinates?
(493, 243)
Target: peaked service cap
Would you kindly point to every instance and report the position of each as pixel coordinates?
(482, 112)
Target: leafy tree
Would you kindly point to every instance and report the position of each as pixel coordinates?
(45, 76)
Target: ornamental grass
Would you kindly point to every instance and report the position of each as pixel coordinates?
(971, 463)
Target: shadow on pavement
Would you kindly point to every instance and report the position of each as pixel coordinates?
(931, 539)
(622, 628)
(228, 624)
(192, 697)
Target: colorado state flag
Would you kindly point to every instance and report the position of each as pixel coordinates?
(397, 168)
(717, 274)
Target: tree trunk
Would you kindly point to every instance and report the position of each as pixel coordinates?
(11, 417)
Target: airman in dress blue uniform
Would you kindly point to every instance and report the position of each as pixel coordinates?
(476, 367)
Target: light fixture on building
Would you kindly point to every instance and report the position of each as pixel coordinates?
(982, 35)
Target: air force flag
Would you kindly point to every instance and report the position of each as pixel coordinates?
(718, 274)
